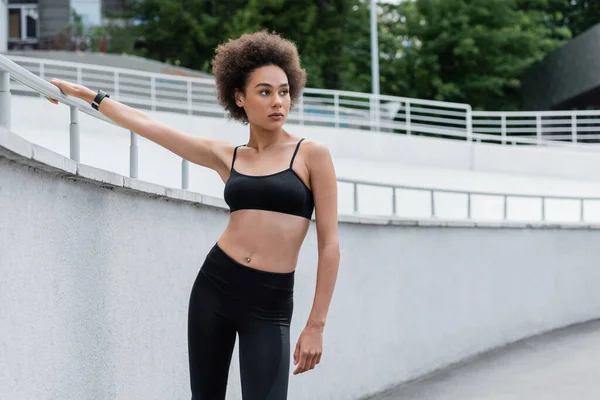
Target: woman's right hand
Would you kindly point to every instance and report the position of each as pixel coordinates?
(73, 89)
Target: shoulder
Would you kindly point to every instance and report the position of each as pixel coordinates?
(318, 159)
(315, 150)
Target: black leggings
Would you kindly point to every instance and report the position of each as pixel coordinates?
(229, 298)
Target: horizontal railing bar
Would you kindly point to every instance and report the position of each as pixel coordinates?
(534, 113)
(386, 97)
(110, 69)
(436, 111)
(463, 192)
(47, 89)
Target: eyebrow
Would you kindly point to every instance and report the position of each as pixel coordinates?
(269, 85)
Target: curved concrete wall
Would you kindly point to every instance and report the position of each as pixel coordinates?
(107, 146)
(379, 157)
(96, 270)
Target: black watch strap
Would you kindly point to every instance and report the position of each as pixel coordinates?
(99, 97)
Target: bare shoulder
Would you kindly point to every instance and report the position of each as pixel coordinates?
(315, 151)
(318, 161)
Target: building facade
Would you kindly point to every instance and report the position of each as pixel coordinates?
(46, 24)
(568, 77)
(34, 24)
(3, 25)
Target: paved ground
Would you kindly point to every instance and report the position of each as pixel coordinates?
(561, 365)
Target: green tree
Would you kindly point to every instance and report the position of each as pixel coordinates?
(575, 15)
(330, 34)
(465, 51)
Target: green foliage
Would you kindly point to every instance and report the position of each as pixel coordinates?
(472, 51)
(327, 33)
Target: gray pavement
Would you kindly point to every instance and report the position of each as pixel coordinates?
(559, 365)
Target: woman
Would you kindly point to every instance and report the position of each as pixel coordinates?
(272, 184)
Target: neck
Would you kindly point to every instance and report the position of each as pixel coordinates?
(261, 139)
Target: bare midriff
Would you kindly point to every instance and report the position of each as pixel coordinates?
(264, 240)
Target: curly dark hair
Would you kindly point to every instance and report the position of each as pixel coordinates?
(235, 61)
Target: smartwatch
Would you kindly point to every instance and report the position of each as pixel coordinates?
(99, 97)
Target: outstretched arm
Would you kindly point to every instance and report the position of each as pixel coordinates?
(210, 153)
(324, 187)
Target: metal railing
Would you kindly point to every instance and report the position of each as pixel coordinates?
(468, 196)
(199, 101)
(536, 128)
(316, 107)
(333, 108)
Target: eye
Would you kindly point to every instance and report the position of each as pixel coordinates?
(265, 92)
(284, 92)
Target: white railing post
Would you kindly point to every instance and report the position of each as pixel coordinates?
(469, 205)
(301, 109)
(538, 128)
(189, 97)
(133, 155)
(153, 92)
(469, 124)
(408, 130)
(185, 174)
(432, 204)
(394, 213)
(355, 198)
(374, 112)
(543, 208)
(505, 212)
(581, 211)
(74, 135)
(5, 99)
(336, 109)
(574, 128)
(503, 128)
(117, 86)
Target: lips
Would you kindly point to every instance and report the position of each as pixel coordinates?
(276, 116)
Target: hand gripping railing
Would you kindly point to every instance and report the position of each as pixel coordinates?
(9, 69)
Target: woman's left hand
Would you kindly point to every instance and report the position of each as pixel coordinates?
(308, 350)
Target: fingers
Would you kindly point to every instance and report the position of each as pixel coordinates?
(53, 101)
(297, 353)
(307, 361)
(312, 361)
(64, 87)
(301, 364)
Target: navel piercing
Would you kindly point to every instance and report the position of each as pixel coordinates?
(248, 259)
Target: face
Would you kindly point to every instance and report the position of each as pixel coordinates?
(267, 97)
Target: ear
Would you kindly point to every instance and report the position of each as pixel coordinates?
(239, 98)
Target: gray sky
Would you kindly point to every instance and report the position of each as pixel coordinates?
(90, 10)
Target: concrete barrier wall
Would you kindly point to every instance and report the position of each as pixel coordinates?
(386, 158)
(103, 142)
(96, 271)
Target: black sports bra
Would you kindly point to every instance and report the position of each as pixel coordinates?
(282, 191)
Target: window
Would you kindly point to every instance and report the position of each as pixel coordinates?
(31, 23)
(14, 23)
(23, 22)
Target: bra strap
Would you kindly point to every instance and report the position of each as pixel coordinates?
(234, 154)
(295, 152)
